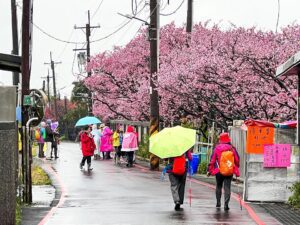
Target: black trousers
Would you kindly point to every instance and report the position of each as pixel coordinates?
(220, 179)
(41, 150)
(177, 187)
(54, 147)
(86, 158)
(130, 157)
(118, 151)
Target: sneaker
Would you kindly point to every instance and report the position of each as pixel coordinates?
(89, 167)
(80, 166)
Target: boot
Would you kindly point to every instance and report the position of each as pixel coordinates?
(218, 204)
(177, 206)
(80, 166)
(226, 208)
(89, 166)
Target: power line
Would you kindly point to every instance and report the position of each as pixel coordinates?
(97, 9)
(55, 38)
(61, 53)
(169, 14)
(278, 14)
(74, 42)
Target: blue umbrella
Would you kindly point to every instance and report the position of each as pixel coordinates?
(87, 121)
(19, 114)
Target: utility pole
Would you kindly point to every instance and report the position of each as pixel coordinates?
(15, 50)
(154, 59)
(48, 88)
(66, 122)
(26, 68)
(88, 54)
(189, 19)
(52, 63)
(44, 84)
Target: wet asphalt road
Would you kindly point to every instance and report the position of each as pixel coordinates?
(128, 196)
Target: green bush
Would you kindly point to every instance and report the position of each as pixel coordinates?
(202, 169)
(39, 177)
(18, 211)
(62, 138)
(294, 200)
(144, 148)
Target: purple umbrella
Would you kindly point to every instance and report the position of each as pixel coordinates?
(54, 126)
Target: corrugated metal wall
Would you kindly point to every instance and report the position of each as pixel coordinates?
(238, 139)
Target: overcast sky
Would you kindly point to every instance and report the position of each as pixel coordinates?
(58, 17)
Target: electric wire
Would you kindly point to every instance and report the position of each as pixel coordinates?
(97, 9)
(169, 14)
(278, 14)
(55, 38)
(117, 30)
(66, 44)
(74, 42)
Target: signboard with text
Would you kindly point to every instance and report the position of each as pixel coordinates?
(257, 137)
(277, 155)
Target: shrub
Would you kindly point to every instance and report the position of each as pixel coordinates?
(18, 211)
(144, 148)
(202, 169)
(39, 177)
(294, 200)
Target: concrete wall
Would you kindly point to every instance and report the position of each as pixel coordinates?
(8, 154)
(7, 103)
(8, 146)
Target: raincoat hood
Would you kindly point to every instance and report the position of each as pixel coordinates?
(106, 131)
(224, 138)
(130, 129)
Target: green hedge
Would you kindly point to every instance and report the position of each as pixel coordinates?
(294, 200)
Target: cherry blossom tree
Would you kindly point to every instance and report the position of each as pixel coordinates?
(218, 76)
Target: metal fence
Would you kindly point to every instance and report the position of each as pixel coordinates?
(142, 128)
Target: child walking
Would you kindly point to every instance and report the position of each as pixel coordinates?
(87, 146)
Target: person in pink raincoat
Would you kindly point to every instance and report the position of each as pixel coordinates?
(106, 142)
(130, 144)
(213, 169)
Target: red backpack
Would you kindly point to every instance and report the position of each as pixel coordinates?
(179, 165)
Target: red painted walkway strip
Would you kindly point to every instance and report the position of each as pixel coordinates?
(250, 211)
(61, 200)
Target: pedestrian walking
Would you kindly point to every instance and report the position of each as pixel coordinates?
(55, 143)
(129, 145)
(117, 145)
(106, 143)
(48, 139)
(87, 147)
(224, 163)
(40, 140)
(177, 168)
(96, 135)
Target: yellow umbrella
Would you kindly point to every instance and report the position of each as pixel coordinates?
(172, 142)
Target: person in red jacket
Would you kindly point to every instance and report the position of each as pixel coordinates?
(87, 146)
